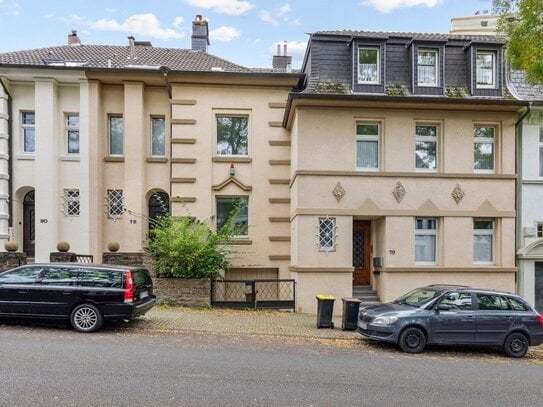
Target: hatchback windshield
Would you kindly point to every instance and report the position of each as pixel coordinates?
(418, 297)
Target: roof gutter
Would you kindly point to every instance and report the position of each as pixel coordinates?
(10, 154)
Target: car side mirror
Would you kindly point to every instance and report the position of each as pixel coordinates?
(443, 307)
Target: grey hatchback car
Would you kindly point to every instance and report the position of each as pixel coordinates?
(455, 315)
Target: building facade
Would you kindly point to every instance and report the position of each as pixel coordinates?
(388, 162)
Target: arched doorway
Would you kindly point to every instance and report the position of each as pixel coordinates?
(159, 205)
(29, 218)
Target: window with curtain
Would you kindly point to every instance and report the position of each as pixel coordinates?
(28, 124)
(116, 130)
(367, 146)
(425, 240)
(368, 65)
(426, 147)
(483, 148)
(485, 70)
(158, 137)
(72, 133)
(427, 67)
(483, 240)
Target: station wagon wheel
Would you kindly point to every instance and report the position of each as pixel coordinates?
(412, 340)
(86, 318)
(516, 345)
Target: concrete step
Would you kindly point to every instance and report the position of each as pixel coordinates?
(365, 294)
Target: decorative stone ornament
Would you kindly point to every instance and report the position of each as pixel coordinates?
(113, 246)
(63, 247)
(457, 193)
(338, 191)
(398, 192)
(11, 246)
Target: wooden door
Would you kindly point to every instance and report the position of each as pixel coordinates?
(361, 252)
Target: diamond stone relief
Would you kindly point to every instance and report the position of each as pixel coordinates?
(338, 191)
(457, 193)
(398, 192)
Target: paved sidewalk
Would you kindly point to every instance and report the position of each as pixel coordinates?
(178, 319)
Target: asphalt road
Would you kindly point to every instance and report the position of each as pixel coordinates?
(54, 366)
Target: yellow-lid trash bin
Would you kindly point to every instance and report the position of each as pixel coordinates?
(325, 310)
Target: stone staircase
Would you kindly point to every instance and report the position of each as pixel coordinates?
(366, 295)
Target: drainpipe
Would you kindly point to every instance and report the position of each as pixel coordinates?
(165, 71)
(10, 155)
(518, 189)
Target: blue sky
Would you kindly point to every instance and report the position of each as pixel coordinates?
(243, 31)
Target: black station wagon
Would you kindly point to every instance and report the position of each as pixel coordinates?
(85, 294)
(455, 315)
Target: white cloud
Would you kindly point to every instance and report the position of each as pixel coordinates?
(278, 15)
(232, 7)
(268, 17)
(224, 34)
(386, 6)
(177, 22)
(144, 24)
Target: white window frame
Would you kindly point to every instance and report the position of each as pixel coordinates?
(539, 230)
(485, 140)
(541, 150)
(485, 232)
(494, 70)
(110, 204)
(235, 114)
(153, 118)
(327, 238)
(377, 81)
(427, 139)
(71, 196)
(427, 232)
(70, 128)
(436, 67)
(371, 138)
(109, 118)
(24, 128)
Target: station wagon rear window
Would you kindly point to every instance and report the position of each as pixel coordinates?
(102, 278)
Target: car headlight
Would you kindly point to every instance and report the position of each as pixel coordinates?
(384, 320)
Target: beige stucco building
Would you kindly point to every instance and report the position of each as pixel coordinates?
(388, 162)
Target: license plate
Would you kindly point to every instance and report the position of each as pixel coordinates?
(363, 325)
(144, 294)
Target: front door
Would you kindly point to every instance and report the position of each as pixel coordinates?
(28, 224)
(361, 252)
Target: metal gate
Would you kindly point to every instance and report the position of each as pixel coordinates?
(257, 294)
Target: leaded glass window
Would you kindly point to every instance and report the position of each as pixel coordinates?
(115, 204)
(71, 202)
(72, 133)
(327, 234)
(28, 125)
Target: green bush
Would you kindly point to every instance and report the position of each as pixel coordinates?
(184, 247)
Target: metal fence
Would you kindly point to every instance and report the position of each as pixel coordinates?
(258, 294)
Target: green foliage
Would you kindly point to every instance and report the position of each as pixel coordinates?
(522, 22)
(184, 247)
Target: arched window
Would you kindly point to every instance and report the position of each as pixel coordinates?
(159, 205)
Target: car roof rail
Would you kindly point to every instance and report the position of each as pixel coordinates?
(448, 285)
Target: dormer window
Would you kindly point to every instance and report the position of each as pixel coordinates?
(485, 69)
(368, 65)
(427, 67)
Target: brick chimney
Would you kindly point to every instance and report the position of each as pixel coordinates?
(200, 34)
(73, 39)
(282, 61)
